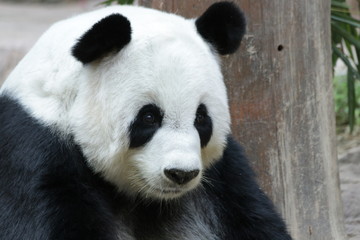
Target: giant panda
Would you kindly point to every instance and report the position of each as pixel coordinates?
(116, 125)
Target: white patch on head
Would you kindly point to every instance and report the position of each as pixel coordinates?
(166, 63)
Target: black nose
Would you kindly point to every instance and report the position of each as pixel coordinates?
(180, 176)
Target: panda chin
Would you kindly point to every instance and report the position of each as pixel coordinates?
(164, 193)
(167, 192)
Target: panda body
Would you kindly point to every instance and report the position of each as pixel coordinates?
(116, 126)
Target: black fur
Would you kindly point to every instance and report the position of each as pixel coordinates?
(110, 34)
(142, 130)
(244, 209)
(204, 125)
(48, 192)
(223, 25)
(46, 189)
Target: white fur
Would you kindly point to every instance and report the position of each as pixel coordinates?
(166, 63)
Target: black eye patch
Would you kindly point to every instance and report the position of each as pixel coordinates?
(146, 123)
(203, 125)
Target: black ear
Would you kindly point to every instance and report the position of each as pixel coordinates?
(223, 25)
(110, 34)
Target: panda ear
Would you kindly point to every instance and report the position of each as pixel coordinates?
(223, 25)
(110, 34)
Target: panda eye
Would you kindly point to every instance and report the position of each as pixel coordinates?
(148, 118)
(201, 114)
(200, 118)
(146, 123)
(203, 124)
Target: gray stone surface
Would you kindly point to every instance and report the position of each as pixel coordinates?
(350, 190)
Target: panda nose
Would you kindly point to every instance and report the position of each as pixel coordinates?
(180, 176)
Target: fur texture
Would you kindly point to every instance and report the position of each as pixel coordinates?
(223, 25)
(51, 193)
(47, 191)
(145, 125)
(164, 64)
(109, 34)
(120, 131)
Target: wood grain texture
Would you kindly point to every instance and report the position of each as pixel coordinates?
(280, 90)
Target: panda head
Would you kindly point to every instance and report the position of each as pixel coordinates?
(146, 101)
(151, 112)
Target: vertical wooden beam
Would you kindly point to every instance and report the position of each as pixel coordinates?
(280, 91)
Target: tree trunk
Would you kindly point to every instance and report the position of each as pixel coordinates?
(280, 90)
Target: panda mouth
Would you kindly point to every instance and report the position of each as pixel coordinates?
(160, 191)
(168, 190)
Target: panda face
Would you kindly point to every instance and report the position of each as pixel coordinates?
(177, 165)
(157, 116)
(140, 91)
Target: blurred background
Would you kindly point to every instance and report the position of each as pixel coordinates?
(23, 21)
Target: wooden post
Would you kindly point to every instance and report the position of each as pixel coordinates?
(280, 91)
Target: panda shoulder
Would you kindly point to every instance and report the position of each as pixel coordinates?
(233, 167)
(234, 159)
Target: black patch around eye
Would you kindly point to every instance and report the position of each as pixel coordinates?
(146, 123)
(203, 125)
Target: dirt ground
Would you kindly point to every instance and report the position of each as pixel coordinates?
(22, 24)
